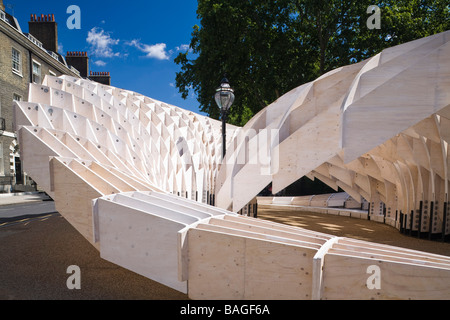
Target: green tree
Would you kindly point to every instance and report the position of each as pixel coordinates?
(252, 42)
(268, 47)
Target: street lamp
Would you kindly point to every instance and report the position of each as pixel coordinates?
(224, 98)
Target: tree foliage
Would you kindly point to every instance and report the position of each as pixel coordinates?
(268, 47)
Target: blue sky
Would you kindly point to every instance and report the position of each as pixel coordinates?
(136, 41)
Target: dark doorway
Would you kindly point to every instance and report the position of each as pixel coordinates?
(18, 170)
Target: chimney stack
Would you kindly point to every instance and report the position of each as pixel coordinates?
(79, 60)
(45, 29)
(100, 77)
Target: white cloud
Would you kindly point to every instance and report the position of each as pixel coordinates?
(100, 63)
(133, 43)
(101, 43)
(183, 47)
(156, 51)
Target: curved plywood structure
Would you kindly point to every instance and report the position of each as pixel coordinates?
(378, 129)
(135, 177)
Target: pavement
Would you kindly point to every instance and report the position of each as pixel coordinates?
(9, 201)
(27, 205)
(22, 197)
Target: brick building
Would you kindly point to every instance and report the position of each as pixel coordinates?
(26, 58)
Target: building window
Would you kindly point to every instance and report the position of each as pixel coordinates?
(16, 61)
(17, 97)
(2, 165)
(36, 72)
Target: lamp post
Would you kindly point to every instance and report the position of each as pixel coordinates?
(224, 98)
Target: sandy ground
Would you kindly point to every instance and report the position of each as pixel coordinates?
(35, 254)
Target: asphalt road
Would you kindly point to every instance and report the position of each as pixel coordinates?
(36, 252)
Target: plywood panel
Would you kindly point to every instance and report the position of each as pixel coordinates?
(277, 271)
(247, 268)
(35, 157)
(278, 226)
(265, 231)
(215, 274)
(347, 277)
(141, 242)
(75, 206)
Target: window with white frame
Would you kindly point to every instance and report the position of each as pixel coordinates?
(36, 72)
(16, 61)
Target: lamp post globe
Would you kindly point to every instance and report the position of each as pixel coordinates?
(224, 95)
(224, 98)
